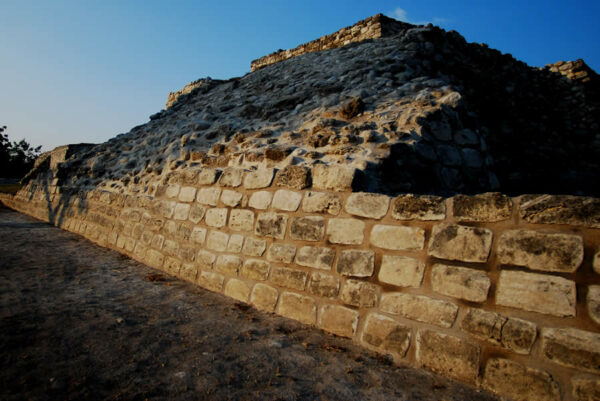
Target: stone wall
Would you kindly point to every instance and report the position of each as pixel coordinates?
(373, 27)
(498, 292)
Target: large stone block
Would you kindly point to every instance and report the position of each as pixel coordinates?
(155, 259)
(271, 225)
(324, 285)
(228, 264)
(297, 307)
(289, 278)
(455, 242)
(231, 177)
(241, 219)
(235, 244)
(256, 269)
(172, 190)
(254, 246)
(397, 237)
(401, 271)
(335, 177)
(207, 176)
(316, 257)
(187, 194)
(308, 228)
(287, 200)
(345, 231)
(264, 297)
(538, 251)
(536, 292)
(217, 241)
(364, 204)
(518, 382)
(208, 196)
(283, 253)
(338, 320)
(420, 308)
(418, 207)
(574, 348)
(448, 355)
(560, 209)
(211, 281)
(460, 282)
(586, 388)
(188, 272)
(386, 334)
(260, 178)
(260, 200)
(596, 262)
(196, 213)
(295, 177)
(360, 293)
(488, 207)
(593, 303)
(322, 202)
(237, 289)
(356, 263)
(205, 260)
(231, 198)
(216, 217)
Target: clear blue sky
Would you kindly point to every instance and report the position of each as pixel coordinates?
(85, 71)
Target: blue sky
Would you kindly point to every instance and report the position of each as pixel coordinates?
(85, 71)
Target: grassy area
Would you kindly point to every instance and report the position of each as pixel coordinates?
(10, 188)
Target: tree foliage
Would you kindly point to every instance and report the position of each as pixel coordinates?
(16, 158)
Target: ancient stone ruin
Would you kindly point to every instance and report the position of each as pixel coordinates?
(428, 198)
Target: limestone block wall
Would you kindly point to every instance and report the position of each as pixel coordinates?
(498, 292)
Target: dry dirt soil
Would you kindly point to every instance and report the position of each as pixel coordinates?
(80, 322)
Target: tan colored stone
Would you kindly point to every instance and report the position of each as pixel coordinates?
(256, 269)
(155, 259)
(360, 293)
(211, 281)
(260, 178)
(520, 383)
(281, 253)
(235, 244)
(338, 320)
(307, 228)
(345, 231)
(593, 303)
(260, 200)
(418, 207)
(448, 355)
(231, 177)
(228, 264)
(297, 307)
(316, 257)
(167, 208)
(420, 308)
(231, 198)
(241, 220)
(237, 289)
(596, 263)
(386, 334)
(186, 253)
(534, 292)
(334, 177)
(560, 209)
(401, 271)
(217, 241)
(488, 207)
(216, 217)
(324, 285)
(205, 260)
(290, 278)
(455, 242)
(182, 210)
(264, 297)
(356, 263)
(254, 246)
(586, 388)
(172, 265)
(294, 177)
(460, 282)
(538, 251)
(196, 213)
(271, 225)
(173, 190)
(572, 348)
(368, 205)
(188, 272)
(206, 176)
(287, 200)
(208, 196)
(187, 194)
(321, 202)
(397, 237)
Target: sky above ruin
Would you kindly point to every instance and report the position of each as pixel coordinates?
(82, 71)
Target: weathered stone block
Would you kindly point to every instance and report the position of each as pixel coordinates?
(260, 200)
(386, 334)
(216, 217)
(324, 285)
(205, 260)
(254, 246)
(256, 269)
(295, 177)
(241, 220)
(167, 208)
(420, 308)
(289, 278)
(397, 237)
(460, 282)
(237, 289)
(231, 198)
(317, 257)
(187, 194)
(235, 244)
(308, 228)
(271, 225)
(520, 383)
(488, 207)
(155, 259)
(418, 207)
(172, 265)
(186, 253)
(208, 196)
(356, 263)
(211, 281)
(182, 210)
(297, 307)
(196, 213)
(335, 177)
(586, 388)
(287, 200)
(593, 302)
(338, 320)
(206, 176)
(401, 271)
(573, 348)
(536, 292)
(596, 262)
(538, 251)
(172, 190)
(217, 241)
(231, 177)
(448, 355)
(321, 202)
(260, 178)
(360, 293)
(369, 205)
(264, 297)
(560, 209)
(188, 272)
(281, 253)
(345, 231)
(228, 264)
(455, 242)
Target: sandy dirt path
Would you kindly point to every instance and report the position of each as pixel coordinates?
(80, 322)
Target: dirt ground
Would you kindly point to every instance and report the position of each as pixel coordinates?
(80, 322)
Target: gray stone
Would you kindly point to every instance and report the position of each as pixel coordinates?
(260, 200)
(307, 228)
(287, 200)
(369, 205)
(321, 202)
(208, 196)
(231, 198)
(271, 225)
(455, 242)
(466, 137)
(207, 176)
(231, 177)
(260, 178)
(335, 177)
(356, 263)
(449, 155)
(472, 158)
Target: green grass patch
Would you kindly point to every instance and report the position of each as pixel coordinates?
(10, 188)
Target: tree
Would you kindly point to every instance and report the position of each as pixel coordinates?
(16, 158)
